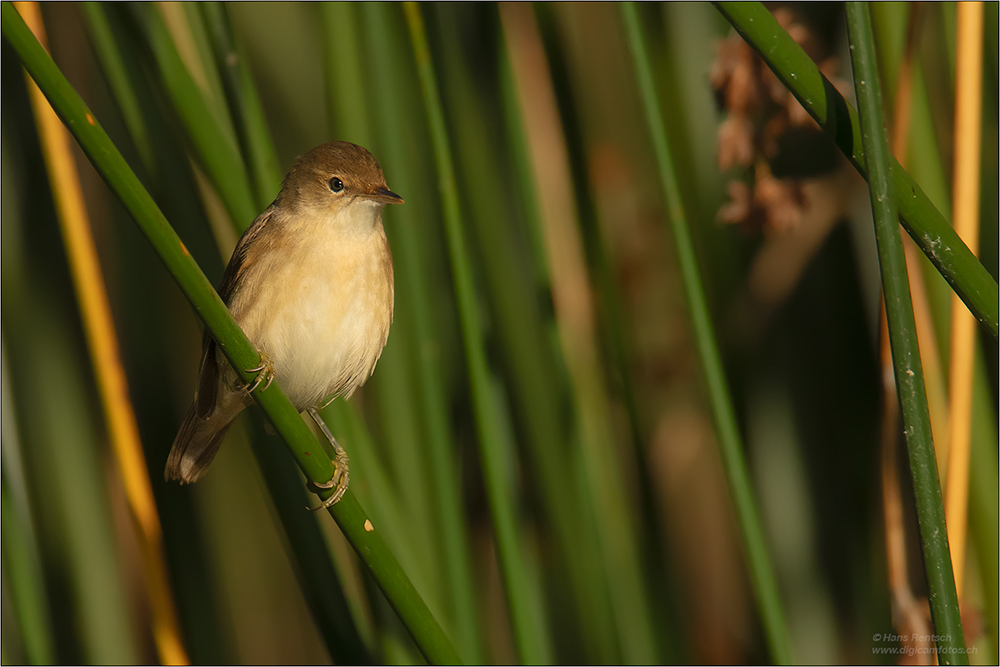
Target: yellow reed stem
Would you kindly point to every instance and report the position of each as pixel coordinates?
(968, 138)
(103, 344)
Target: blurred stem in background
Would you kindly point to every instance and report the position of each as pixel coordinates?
(604, 495)
(727, 432)
(426, 455)
(22, 572)
(103, 342)
(524, 606)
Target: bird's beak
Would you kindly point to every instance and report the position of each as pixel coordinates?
(384, 195)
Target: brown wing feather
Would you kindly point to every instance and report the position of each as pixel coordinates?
(215, 407)
(231, 276)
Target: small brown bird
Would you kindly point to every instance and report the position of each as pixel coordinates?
(310, 283)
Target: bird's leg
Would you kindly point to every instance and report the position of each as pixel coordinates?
(265, 374)
(341, 465)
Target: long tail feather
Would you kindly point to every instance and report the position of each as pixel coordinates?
(198, 441)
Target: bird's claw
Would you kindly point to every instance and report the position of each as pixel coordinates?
(265, 374)
(340, 481)
(341, 466)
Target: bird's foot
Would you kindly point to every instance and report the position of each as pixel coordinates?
(265, 374)
(340, 481)
(341, 466)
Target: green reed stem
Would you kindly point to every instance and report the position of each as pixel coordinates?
(929, 229)
(526, 620)
(231, 340)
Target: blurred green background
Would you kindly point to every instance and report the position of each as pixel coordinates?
(622, 453)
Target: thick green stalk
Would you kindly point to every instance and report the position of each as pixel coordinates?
(931, 231)
(903, 338)
(727, 432)
(231, 340)
(307, 550)
(526, 620)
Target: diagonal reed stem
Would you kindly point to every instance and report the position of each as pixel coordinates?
(102, 340)
(232, 341)
(925, 224)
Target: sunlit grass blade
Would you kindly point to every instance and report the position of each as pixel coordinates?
(902, 334)
(838, 118)
(527, 624)
(190, 36)
(727, 430)
(116, 173)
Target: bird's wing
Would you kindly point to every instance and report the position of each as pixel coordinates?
(235, 265)
(206, 396)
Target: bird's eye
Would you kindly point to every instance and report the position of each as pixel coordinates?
(336, 184)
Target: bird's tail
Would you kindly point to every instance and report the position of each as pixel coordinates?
(199, 439)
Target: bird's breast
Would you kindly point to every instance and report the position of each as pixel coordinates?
(321, 312)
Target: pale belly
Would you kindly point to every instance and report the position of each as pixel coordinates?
(324, 330)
